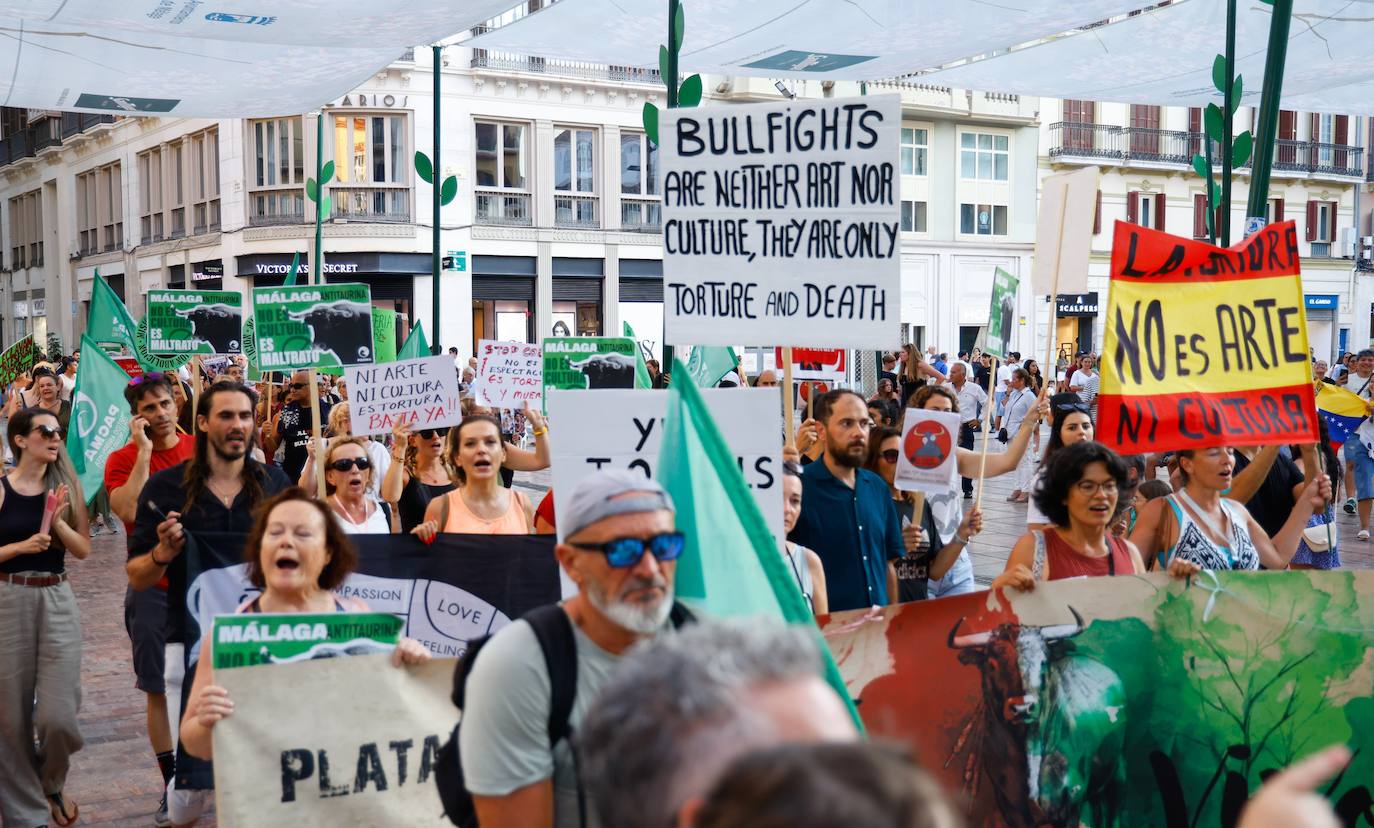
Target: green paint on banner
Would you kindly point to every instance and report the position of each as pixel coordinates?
(256, 638)
(195, 322)
(313, 326)
(16, 359)
(579, 362)
(1002, 314)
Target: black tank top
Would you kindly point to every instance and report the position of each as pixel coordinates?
(414, 498)
(20, 518)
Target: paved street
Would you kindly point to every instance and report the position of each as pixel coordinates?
(115, 778)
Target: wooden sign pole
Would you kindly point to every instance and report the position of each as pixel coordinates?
(789, 408)
(987, 440)
(195, 391)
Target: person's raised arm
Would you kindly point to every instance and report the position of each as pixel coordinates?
(74, 536)
(1248, 481)
(970, 461)
(1276, 552)
(396, 477)
(518, 459)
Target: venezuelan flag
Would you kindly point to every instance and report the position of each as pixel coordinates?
(1343, 411)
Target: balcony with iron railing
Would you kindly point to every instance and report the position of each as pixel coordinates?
(45, 133)
(640, 215)
(1127, 146)
(501, 208)
(512, 62)
(383, 204)
(576, 211)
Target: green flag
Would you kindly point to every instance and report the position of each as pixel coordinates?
(641, 370)
(100, 417)
(290, 280)
(415, 344)
(383, 335)
(706, 366)
(732, 566)
(108, 320)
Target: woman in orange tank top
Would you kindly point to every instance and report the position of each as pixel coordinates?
(1078, 492)
(480, 505)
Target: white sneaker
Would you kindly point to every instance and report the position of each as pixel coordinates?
(1363, 535)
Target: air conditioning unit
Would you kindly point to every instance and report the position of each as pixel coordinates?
(1349, 236)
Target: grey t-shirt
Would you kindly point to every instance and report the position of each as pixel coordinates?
(504, 737)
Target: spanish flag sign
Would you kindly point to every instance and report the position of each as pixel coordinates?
(1205, 346)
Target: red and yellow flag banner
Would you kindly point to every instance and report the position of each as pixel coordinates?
(1205, 346)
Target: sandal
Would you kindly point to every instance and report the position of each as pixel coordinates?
(59, 810)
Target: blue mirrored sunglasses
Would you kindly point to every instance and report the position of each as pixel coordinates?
(623, 553)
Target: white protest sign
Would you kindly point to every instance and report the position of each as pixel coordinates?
(509, 374)
(421, 392)
(1064, 232)
(927, 459)
(373, 764)
(780, 223)
(624, 429)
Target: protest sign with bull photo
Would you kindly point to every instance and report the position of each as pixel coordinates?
(781, 223)
(195, 322)
(313, 326)
(927, 460)
(246, 639)
(815, 363)
(509, 374)
(420, 392)
(17, 359)
(577, 362)
(1002, 314)
(625, 430)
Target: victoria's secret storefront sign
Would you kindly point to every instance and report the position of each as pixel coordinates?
(274, 265)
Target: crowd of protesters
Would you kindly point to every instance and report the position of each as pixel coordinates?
(717, 724)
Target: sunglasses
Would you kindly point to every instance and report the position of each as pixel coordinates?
(47, 431)
(346, 463)
(427, 433)
(623, 553)
(890, 456)
(298, 385)
(1079, 407)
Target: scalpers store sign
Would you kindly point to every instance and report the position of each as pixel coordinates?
(1076, 304)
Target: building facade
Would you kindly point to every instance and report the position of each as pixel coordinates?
(1145, 154)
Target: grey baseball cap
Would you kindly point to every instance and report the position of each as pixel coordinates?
(610, 492)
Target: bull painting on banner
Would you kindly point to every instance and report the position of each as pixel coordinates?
(1130, 701)
(195, 322)
(1205, 346)
(780, 223)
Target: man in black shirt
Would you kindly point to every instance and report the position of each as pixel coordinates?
(213, 494)
(292, 426)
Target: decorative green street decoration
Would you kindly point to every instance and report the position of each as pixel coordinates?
(313, 191)
(425, 169)
(187, 322)
(313, 326)
(1268, 122)
(151, 361)
(689, 93)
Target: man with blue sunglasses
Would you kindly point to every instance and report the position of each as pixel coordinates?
(620, 547)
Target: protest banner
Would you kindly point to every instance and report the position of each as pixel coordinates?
(1137, 701)
(17, 359)
(588, 362)
(99, 422)
(130, 366)
(625, 430)
(780, 223)
(509, 374)
(335, 741)
(1064, 232)
(816, 363)
(383, 340)
(248, 639)
(928, 460)
(189, 322)
(149, 360)
(1205, 346)
(420, 392)
(313, 326)
(1002, 314)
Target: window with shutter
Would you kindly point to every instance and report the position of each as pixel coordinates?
(1199, 215)
(1144, 131)
(1079, 117)
(1340, 157)
(1332, 207)
(1195, 130)
(1159, 212)
(1132, 206)
(1311, 221)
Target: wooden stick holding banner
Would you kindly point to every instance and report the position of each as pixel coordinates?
(789, 408)
(195, 391)
(987, 438)
(1054, 290)
(315, 435)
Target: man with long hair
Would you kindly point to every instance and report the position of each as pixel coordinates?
(215, 492)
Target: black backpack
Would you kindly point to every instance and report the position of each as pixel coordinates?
(554, 631)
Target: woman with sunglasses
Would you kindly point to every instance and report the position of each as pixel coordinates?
(40, 624)
(1198, 524)
(934, 557)
(480, 505)
(1078, 491)
(348, 477)
(45, 395)
(417, 474)
(340, 427)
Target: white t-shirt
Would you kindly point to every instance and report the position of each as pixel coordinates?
(1033, 513)
(1365, 389)
(1004, 377)
(68, 386)
(1090, 385)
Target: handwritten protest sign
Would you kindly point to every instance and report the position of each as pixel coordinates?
(421, 392)
(928, 461)
(588, 362)
(333, 741)
(624, 429)
(246, 639)
(1205, 346)
(509, 374)
(313, 326)
(16, 359)
(780, 223)
(195, 322)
